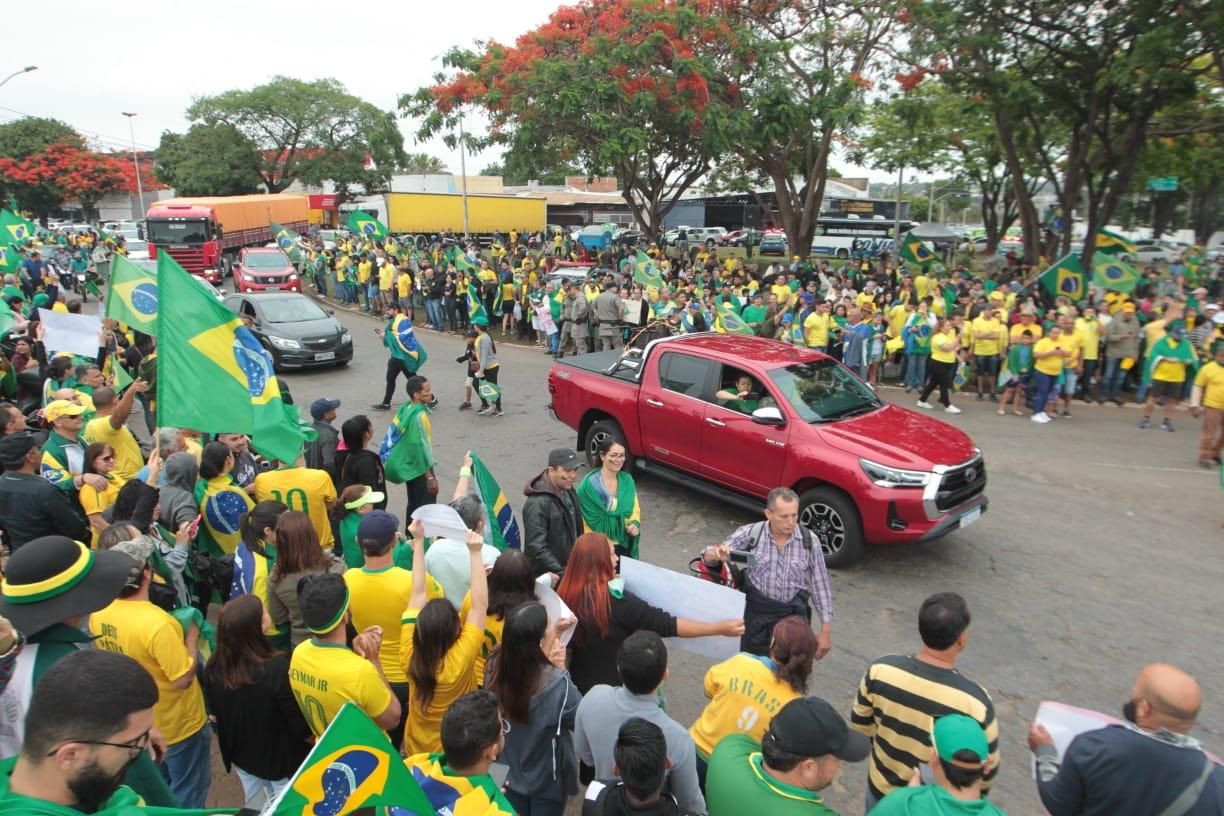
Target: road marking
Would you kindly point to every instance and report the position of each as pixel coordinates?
(1150, 467)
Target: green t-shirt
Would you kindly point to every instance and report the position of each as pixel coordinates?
(931, 800)
(737, 783)
(753, 314)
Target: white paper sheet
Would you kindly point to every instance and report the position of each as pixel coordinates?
(75, 334)
(557, 608)
(441, 521)
(687, 597)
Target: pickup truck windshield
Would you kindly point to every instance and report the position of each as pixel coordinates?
(824, 390)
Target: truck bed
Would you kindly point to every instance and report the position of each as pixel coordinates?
(599, 362)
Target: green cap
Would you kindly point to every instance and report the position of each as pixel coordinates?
(957, 732)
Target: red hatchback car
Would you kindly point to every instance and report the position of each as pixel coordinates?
(265, 269)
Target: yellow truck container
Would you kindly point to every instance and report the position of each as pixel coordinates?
(443, 212)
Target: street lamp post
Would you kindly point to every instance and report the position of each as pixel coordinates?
(135, 163)
(24, 70)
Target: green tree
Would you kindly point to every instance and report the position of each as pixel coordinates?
(631, 88)
(311, 132)
(209, 160)
(31, 136)
(422, 164)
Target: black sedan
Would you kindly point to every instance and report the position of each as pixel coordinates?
(295, 330)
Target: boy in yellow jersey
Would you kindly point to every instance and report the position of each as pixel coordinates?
(135, 627)
(324, 673)
(1074, 365)
(308, 490)
(379, 594)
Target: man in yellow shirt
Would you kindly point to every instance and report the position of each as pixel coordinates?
(780, 290)
(133, 626)
(110, 427)
(816, 328)
(324, 673)
(1048, 359)
(987, 332)
(379, 594)
(1073, 365)
(1028, 322)
(308, 490)
(1207, 400)
(365, 271)
(1088, 329)
(386, 281)
(1164, 373)
(403, 288)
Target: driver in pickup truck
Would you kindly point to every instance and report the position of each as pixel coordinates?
(738, 398)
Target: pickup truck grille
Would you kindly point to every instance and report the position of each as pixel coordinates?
(960, 484)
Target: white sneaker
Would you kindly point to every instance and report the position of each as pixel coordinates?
(1040, 418)
(926, 405)
(952, 409)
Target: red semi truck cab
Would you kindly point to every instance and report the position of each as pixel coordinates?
(735, 417)
(205, 234)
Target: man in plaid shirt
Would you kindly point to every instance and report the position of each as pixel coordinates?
(786, 573)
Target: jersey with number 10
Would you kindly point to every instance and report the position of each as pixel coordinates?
(304, 489)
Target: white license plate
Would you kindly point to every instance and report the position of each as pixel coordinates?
(271, 288)
(970, 517)
(331, 355)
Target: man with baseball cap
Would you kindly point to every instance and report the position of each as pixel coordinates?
(959, 758)
(551, 518)
(63, 454)
(321, 453)
(800, 755)
(30, 506)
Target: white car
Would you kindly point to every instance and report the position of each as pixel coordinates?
(1152, 252)
(710, 236)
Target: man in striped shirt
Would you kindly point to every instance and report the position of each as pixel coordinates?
(901, 696)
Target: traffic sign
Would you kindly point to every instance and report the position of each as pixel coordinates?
(1162, 184)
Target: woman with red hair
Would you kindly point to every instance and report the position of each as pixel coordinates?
(607, 614)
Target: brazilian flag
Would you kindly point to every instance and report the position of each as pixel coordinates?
(352, 766)
(916, 252)
(366, 225)
(10, 259)
(456, 257)
(726, 321)
(1115, 275)
(288, 240)
(17, 228)
(501, 525)
(1066, 277)
(1111, 243)
(212, 373)
(646, 273)
(476, 305)
(132, 296)
(402, 341)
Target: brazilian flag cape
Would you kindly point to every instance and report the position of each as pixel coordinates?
(407, 447)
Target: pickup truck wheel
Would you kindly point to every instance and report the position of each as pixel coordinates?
(596, 434)
(832, 516)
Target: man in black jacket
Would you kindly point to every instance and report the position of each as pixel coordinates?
(1152, 766)
(30, 506)
(551, 517)
(321, 453)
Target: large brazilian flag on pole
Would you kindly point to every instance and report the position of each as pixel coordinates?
(212, 373)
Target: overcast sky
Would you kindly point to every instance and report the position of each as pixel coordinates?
(96, 60)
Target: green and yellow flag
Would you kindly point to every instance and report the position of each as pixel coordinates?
(1066, 277)
(15, 227)
(10, 259)
(916, 252)
(366, 225)
(353, 766)
(212, 373)
(131, 295)
(646, 273)
(1114, 274)
(1111, 243)
(726, 321)
(288, 240)
(476, 305)
(455, 256)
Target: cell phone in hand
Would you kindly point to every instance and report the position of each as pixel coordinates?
(499, 772)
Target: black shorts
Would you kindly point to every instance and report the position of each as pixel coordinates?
(507, 307)
(1162, 389)
(986, 365)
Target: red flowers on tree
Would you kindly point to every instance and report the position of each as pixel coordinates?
(70, 173)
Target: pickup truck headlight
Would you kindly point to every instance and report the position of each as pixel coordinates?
(885, 476)
(284, 343)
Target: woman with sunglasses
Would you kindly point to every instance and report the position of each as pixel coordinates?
(99, 459)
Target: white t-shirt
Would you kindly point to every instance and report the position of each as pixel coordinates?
(447, 561)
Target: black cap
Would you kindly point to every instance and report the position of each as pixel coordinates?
(14, 447)
(322, 405)
(564, 458)
(810, 727)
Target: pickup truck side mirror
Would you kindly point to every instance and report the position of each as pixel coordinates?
(768, 416)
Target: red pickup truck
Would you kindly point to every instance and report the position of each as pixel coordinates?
(735, 417)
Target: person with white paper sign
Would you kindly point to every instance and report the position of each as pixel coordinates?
(1151, 766)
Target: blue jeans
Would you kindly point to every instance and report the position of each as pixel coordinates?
(433, 312)
(1046, 389)
(554, 342)
(188, 768)
(915, 369)
(525, 805)
(1112, 379)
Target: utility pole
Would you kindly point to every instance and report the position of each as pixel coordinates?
(136, 163)
(897, 211)
(463, 178)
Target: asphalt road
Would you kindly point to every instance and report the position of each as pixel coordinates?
(1097, 554)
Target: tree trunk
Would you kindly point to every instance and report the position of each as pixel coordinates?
(1030, 222)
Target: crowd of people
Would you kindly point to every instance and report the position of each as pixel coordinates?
(207, 593)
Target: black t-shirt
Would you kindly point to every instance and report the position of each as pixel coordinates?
(593, 656)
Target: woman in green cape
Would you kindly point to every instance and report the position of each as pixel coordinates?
(608, 499)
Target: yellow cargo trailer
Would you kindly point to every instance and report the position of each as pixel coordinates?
(439, 212)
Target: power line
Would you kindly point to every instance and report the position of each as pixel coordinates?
(123, 144)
